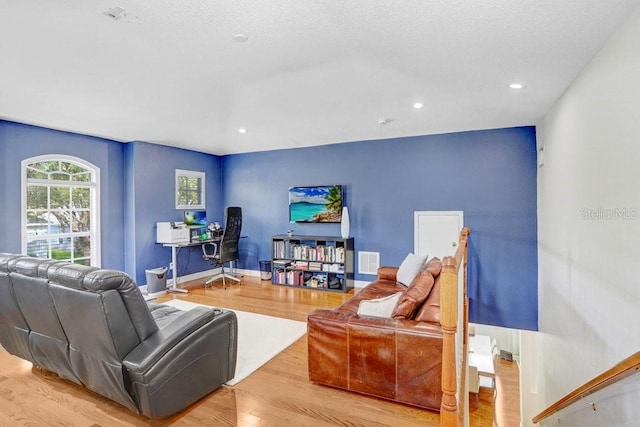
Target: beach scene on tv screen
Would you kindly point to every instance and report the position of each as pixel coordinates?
(315, 204)
(195, 218)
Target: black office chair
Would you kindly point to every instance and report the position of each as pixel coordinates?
(226, 250)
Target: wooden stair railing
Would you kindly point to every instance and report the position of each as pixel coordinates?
(620, 371)
(451, 414)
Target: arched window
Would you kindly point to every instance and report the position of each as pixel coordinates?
(60, 212)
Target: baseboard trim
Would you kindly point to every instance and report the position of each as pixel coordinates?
(358, 284)
(195, 276)
(207, 274)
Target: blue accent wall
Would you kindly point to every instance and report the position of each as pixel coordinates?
(137, 190)
(490, 175)
(20, 141)
(150, 198)
(4, 193)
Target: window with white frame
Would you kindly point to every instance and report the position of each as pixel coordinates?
(189, 189)
(60, 212)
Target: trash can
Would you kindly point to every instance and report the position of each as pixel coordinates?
(156, 280)
(265, 270)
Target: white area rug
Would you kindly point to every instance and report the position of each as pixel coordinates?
(260, 337)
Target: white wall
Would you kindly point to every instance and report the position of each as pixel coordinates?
(506, 338)
(589, 281)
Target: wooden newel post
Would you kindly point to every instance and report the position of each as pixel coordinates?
(449, 324)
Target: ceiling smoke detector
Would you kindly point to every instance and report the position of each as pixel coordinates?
(115, 13)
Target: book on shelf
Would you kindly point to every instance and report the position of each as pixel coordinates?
(280, 249)
(315, 265)
(300, 265)
(331, 267)
(279, 276)
(294, 278)
(301, 251)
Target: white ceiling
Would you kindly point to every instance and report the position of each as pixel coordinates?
(312, 72)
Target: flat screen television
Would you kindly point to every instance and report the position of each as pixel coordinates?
(195, 219)
(320, 203)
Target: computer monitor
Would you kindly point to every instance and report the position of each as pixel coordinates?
(195, 219)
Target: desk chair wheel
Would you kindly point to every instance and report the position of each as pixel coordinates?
(223, 276)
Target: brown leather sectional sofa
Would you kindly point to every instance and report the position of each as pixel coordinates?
(399, 358)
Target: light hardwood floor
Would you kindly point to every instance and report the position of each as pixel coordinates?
(277, 394)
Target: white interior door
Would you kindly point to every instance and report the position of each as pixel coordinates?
(436, 232)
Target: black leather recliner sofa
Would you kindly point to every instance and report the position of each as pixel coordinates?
(93, 327)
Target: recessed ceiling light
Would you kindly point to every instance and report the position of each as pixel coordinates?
(418, 105)
(242, 130)
(516, 86)
(241, 38)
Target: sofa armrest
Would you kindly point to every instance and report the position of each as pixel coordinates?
(182, 362)
(152, 349)
(387, 273)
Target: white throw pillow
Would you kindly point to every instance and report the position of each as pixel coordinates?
(379, 307)
(410, 268)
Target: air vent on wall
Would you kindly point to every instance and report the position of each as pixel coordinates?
(368, 262)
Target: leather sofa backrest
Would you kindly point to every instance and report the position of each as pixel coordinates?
(101, 281)
(43, 301)
(430, 310)
(47, 341)
(14, 331)
(115, 320)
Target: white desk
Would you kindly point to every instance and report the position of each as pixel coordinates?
(175, 247)
(481, 356)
